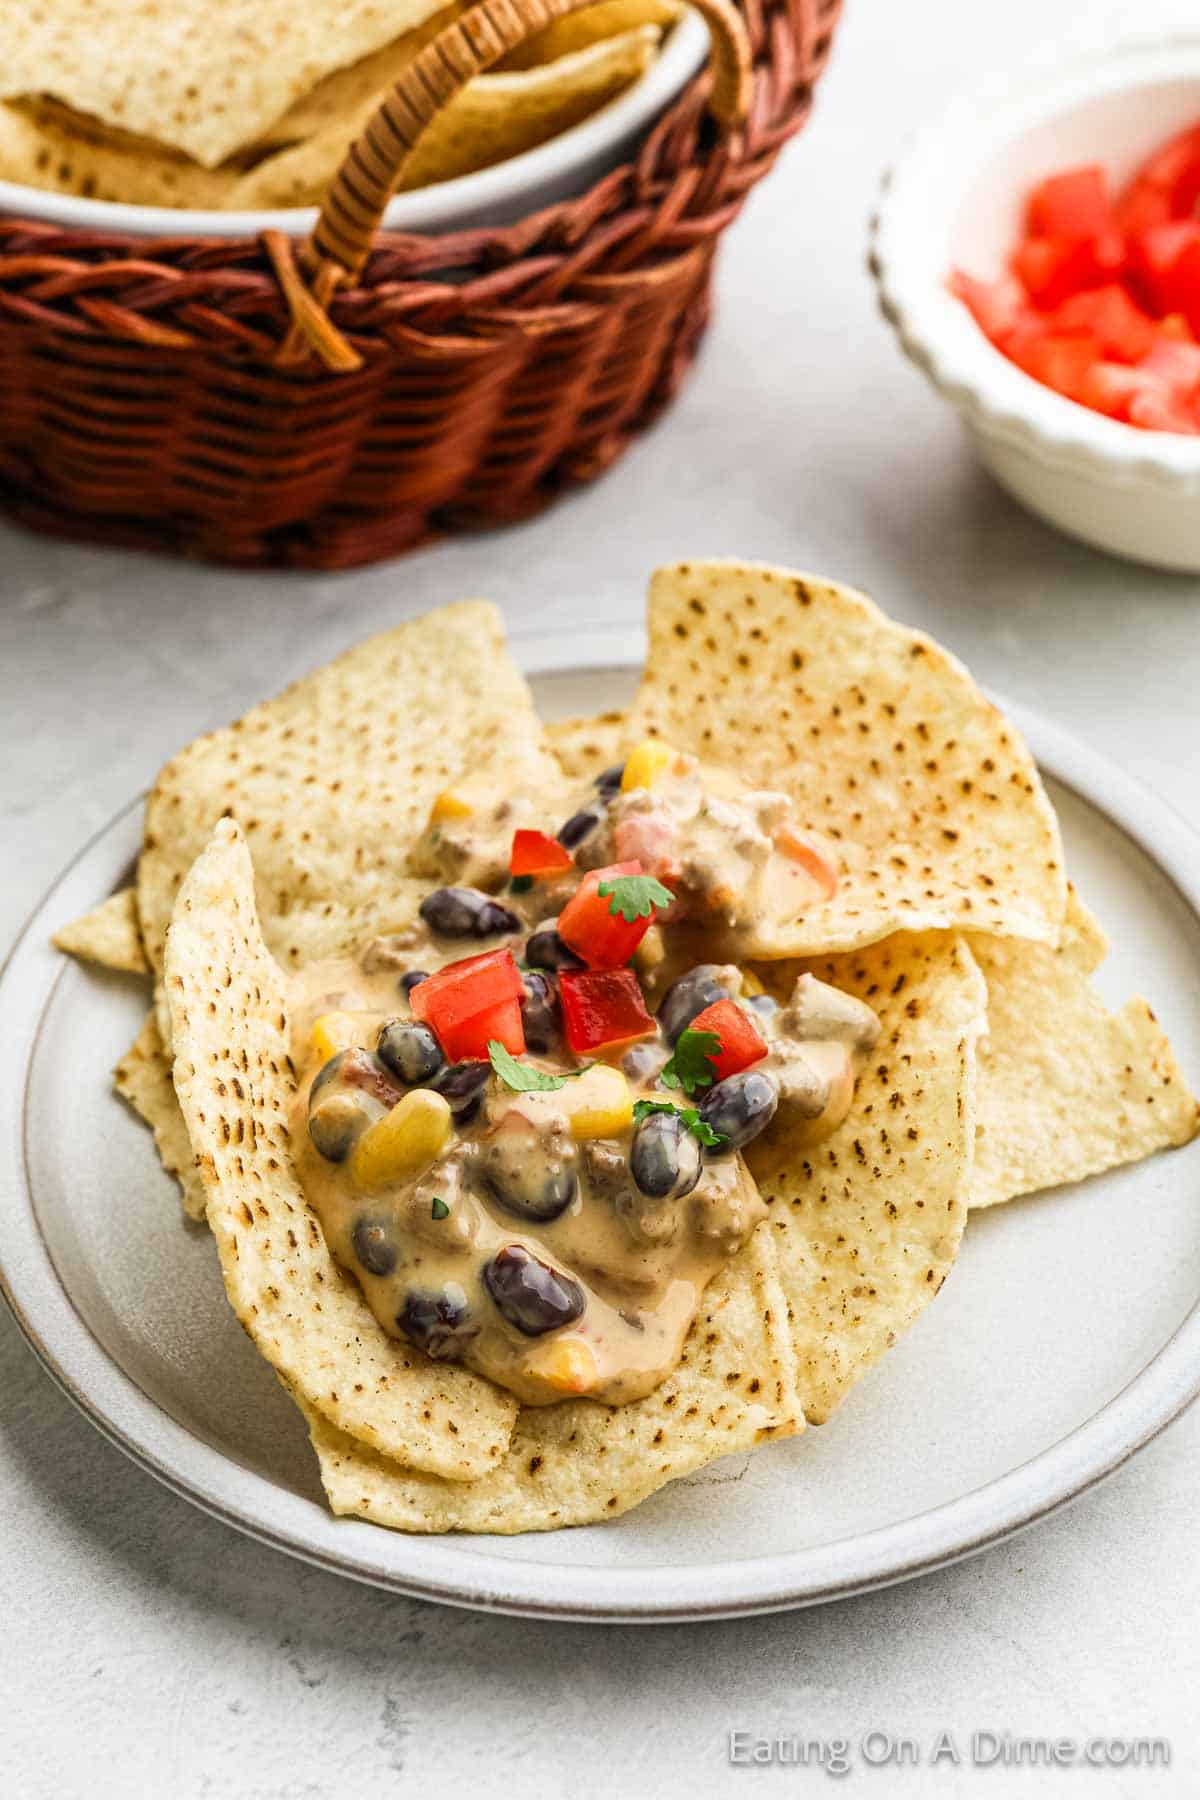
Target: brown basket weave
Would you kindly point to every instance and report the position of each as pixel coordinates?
(336, 402)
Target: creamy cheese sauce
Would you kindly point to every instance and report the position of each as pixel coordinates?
(559, 1240)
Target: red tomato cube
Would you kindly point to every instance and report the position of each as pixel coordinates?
(1154, 256)
(602, 1007)
(463, 992)
(1125, 332)
(533, 853)
(1108, 387)
(1058, 359)
(469, 1041)
(1052, 269)
(588, 925)
(1071, 205)
(997, 306)
(1173, 172)
(740, 1042)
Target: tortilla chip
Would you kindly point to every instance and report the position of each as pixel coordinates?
(43, 146)
(333, 780)
(229, 1019)
(347, 91)
(584, 747)
(579, 1462)
(143, 1077)
(109, 935)
(608, 19)
(203, 76)
(1067, 1088)
(880, 736)
(867, 1223)
(496, 116)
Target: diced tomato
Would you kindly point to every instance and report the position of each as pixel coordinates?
(1051, 269)
(1125, 332)
(1158, 411)
(1111, 314)
(588, 925)
(533, 853)
(1072, 204)
(1154, 255)
(740, 1043)
(1058, 359)
(995, 305)
(469, 1041)
(1173, 172)
(1108, 387)
(601, 1008)
(459, 1001)
(1140, 208)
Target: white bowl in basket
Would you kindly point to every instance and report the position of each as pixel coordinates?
(955, 198)
(557, 170)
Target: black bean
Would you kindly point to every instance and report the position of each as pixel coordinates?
(687, 997)
(665, 1158)
(375, 1245)
(410, 1051)
(546, 950)
(579, 826)
(413, 979)
(530, 1294)
(461, 1085)
(357, 1069)
(525, 1176)
(438, 1320)
(608, 782)
(739, 1108)
(459, 912)
(540, 1012)
(334, 1123)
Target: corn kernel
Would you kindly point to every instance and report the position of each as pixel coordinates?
(598, 1103)
(450, 805)
(404, 1142)
(645, 763)
(569, 1365)
(332, 1032)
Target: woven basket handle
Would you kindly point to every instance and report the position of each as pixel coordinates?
(363, 186)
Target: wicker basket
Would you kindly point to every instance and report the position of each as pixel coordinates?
(336, 402)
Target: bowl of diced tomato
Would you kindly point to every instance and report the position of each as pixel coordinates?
(1037, 249)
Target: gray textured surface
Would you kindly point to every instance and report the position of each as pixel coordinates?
(148, 1650)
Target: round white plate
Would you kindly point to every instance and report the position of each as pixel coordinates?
(1067, 1336)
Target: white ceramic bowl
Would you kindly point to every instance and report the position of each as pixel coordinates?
(565, 166)
(955, 197)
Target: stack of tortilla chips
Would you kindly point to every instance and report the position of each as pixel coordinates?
(999, 1071)
(244, 104)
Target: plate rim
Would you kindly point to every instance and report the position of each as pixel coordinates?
(436, 1568)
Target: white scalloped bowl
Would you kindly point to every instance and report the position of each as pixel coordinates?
(955, 197)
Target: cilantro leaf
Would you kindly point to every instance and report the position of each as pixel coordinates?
(439, 1209)
(520, 1077)
(691, 1065)
(700, 1129)
(634, 896)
